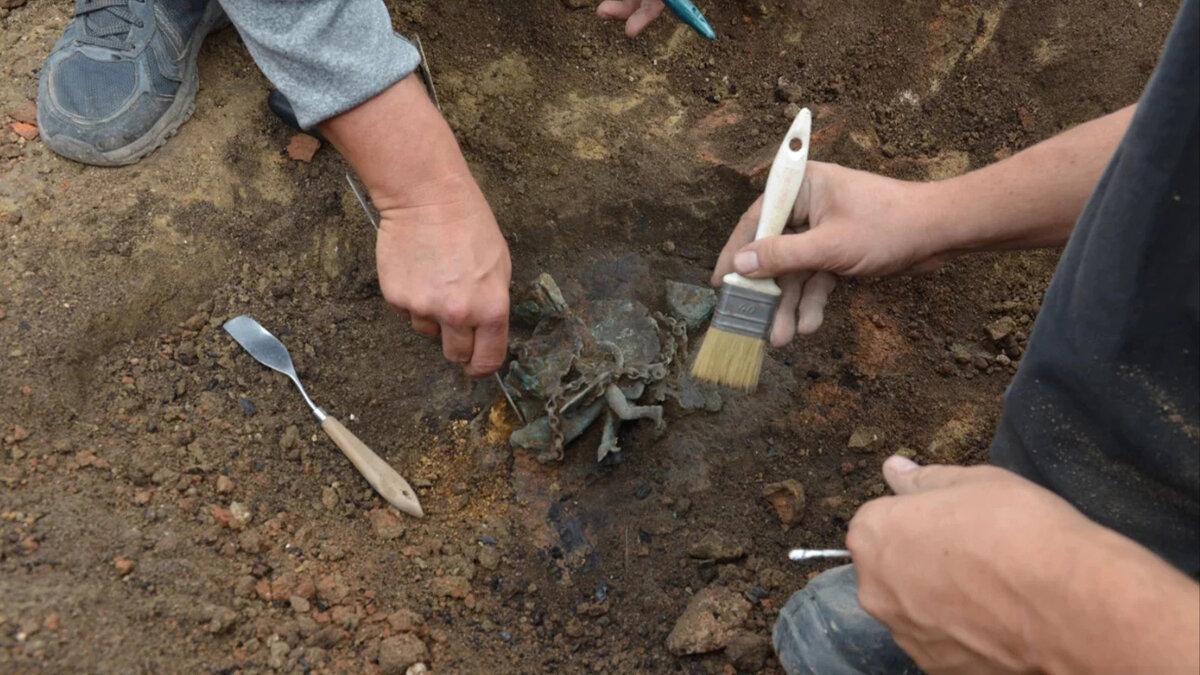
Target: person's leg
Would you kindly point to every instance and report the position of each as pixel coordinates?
(822, 630)
(122, 78)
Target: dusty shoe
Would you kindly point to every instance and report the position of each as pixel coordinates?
(822, 630)
(122, 78)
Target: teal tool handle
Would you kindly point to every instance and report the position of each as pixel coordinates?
(690, 14)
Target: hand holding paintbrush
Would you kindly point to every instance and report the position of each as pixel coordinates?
(733, 350)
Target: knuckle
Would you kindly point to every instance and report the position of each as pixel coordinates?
(457, 313)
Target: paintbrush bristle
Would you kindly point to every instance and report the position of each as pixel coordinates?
(730, 359)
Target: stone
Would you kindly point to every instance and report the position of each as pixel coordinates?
(787, 498)
(385, 524)
(27, 111)
(711, 619)
(690, 303)
(220, 619)
(124, 565)
(952, 441)
(278, 652)
(715, 546)
(290, 437)
(452, 586)
(25, 130)
(240, 515)
(488, 557)
(399, 652)
(1001, 328)
(224, 485)
(748, 651)
(251, 542)
(417, 669)
(960, 353)
(542, 299)
(302, 147)
(299, 604)
(329, 497)
(404, 621)
(866, 439)
(328, 637)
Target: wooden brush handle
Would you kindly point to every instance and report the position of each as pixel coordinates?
(783, 185)
(787, 174)
(389, 484)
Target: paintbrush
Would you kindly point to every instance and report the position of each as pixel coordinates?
(733, 350)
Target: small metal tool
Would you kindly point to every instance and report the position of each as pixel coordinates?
(806, 554)
(269, 351)
(373, 217)
(363, 201)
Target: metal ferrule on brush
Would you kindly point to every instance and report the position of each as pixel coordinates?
(745, 312)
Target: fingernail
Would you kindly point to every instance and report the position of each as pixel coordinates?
(900, 464)
(745, 262)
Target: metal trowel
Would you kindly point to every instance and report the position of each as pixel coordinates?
(269, 351)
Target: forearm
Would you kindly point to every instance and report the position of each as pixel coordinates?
(326, 56)
(1029, 200)
(400, 146)
(1122, 610)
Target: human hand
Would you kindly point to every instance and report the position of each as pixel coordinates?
(439, 251)
(845, 222)
(966, 565)
(444, 262)
(637, 14)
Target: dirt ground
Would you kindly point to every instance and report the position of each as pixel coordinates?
(167, 505)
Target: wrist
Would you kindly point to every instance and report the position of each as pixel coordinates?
(400, 146)
(930, 213)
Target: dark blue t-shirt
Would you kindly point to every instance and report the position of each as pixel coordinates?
(1105, 408)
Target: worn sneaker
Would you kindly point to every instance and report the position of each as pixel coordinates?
(122, 78)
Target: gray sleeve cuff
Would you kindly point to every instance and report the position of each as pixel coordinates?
(325, 56)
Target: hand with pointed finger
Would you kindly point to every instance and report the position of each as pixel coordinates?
(637, 14)
(445, 263)
(975, 569)
(845, 223)
(441, 258)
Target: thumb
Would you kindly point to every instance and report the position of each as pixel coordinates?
(808, 251)
(906, 477)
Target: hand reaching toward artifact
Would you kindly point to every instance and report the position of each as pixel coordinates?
(440, 254)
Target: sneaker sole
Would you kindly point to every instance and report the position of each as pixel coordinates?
(167, 126)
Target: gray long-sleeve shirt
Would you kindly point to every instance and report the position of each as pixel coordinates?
(325, 56)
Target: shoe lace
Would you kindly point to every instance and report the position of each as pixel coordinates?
(107, 23)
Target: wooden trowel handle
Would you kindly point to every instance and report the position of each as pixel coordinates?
(389, 484)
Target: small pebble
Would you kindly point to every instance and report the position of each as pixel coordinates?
(643, 491)
(248, 407)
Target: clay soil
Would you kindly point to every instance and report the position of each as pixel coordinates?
(131, 424)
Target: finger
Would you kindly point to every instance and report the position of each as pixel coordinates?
(743, 233)
(784, 327)
(425, 326)
(491, 347)
(811, 311)
(457, 343)
(814, 250)
(618, 9)
(645, 15)
(906, 477)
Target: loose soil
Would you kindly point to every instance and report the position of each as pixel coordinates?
(131, 424)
